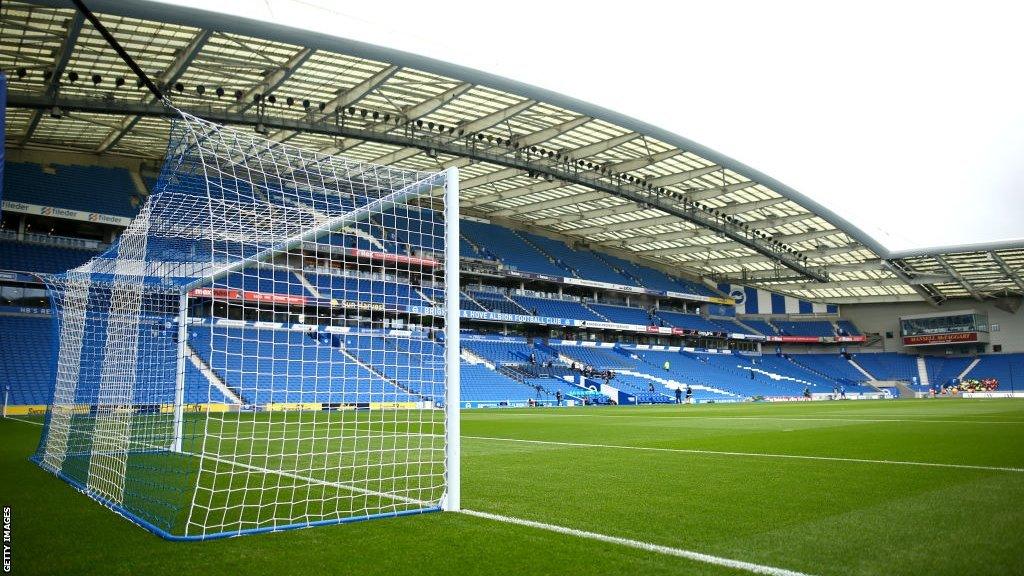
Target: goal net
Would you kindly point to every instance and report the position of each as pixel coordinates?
(271, 343)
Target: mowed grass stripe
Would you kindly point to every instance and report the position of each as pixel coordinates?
(750, 454)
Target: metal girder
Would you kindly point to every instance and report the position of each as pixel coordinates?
(806, 236)
(838, 284)
(531, 188)
(553, 203)
(171, 75)
(472, 127)
(601, 146)
(427, 106)
(465, 147)
(495, 118)
(1012, 274)
(733, 209)
(550, 132)
(616, 226)
(273, 80)
(959, 278)
(708, 193)
(591, 215)
(643, 161)
(396, 156)
(489, 178)
(60, 63)
(927, 292)
(344, 99)
(679, 178)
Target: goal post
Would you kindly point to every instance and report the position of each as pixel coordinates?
(272, 343)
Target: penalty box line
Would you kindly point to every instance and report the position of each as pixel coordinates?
(640, 545)
(754, 454)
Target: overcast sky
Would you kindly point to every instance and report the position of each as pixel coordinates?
(905, 118)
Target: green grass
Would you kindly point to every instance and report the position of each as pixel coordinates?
(812, 515)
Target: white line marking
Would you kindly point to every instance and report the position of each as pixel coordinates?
(646, 546)
(755, 454)
(23, 420)
(546, 414)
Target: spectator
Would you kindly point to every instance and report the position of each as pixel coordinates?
(666, 366)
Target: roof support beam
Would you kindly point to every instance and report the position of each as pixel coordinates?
(462, 147)
(273, 80)
(709, 193)
(601, 146)
(681, 177)
(344, 99)
(532, 188)
(427, 106)
(959, 278)
(617, 226)
(928, 293)
(470, 128)
(1011, 273)
(171, 75)
(570, 200)
(59, 64)
(644, 161)
(733, 209)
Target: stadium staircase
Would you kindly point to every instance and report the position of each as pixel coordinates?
(922, 372)
(555, 261)
(970, 367)
(229, 392)
(474, 358)
(338, 343)
(465, 294)
(596, 313)
(306, 283)
(860, 369)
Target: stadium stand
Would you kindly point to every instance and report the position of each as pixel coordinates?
(805, 327)
(656, 279)
(623, 314)
(688, 321)
(86, 188)
(583, 263)
(505, 245)
(297, 367)
(31, 257)
(556, 308)
(497, 302)
(761, 326)
(942, 370)
(266, 281)
(26, 358)
(888, 365)
(847, 328)
(1007, 368)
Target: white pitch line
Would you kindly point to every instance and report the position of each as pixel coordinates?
(23, 420)
(640, 545)
(542, 414)
(755, 454)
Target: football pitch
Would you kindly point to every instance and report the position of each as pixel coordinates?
(872, 487)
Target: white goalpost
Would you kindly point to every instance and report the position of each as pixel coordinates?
(272, 343)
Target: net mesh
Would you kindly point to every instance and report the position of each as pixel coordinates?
(262, 348)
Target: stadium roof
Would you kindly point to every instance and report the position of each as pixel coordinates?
(529, 158)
